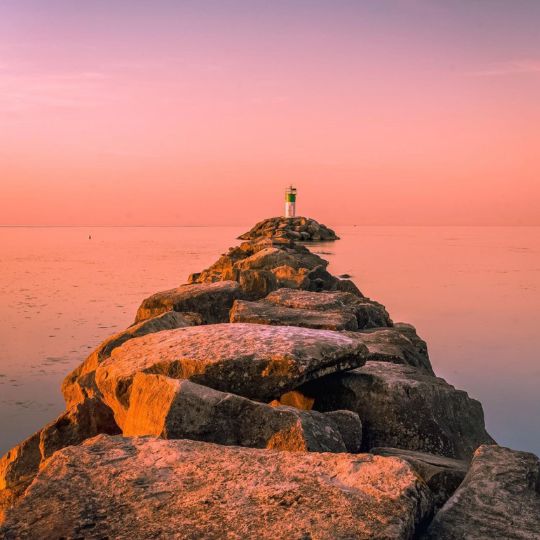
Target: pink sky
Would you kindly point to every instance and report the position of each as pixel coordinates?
(201, 112)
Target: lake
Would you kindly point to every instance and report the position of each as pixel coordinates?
(473, 294)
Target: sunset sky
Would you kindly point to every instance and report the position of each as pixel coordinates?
(178, 112)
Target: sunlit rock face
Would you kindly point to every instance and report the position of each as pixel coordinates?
(499, 498)
(297, 228)
(80, 383)
(212, 301)
(179, 409)
(264, 265)
(400, 406)
(252, 360)
(153, 488)
(19, 466)
(442, 474)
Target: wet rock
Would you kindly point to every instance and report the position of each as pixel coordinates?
(402, 407)
(179, 409)
(369, 314)
(443, 475)
(499, 498)
(297, 228)
(80, 383)
(212, 301)
(268, 313)
(154, 488)
(252, 360)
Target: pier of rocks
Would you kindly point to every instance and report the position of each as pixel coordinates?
(266, 398)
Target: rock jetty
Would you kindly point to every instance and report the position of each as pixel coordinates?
(266, 398)
(300, 229)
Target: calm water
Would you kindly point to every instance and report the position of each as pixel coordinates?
(472, 293)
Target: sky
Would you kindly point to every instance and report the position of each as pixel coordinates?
(162, 112)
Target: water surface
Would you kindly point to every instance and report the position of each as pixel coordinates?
(473, 294)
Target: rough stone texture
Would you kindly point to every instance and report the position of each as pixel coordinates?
(80, 383)
(267, 313)
(252, 360)
(369, 314)
(350, 427)
(212, 301)
(267, 264)
(153, 488)
(179, 409)
(499, 498)
(443, 475)
(19, 466)
(402, 407)
(398, 345)
(297, 229)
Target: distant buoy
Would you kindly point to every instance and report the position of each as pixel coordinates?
(89, 237)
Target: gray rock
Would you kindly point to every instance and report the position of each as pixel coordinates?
(443, 475)
(179, 409)
(252, 360)
(397, 346)
(268, 313)
(212, 301)
(369, 314)
(114, 487)
(402, 407)
(499, 498)
(350, 427)
(80, 383)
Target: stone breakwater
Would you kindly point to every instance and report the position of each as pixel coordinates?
(266, 398)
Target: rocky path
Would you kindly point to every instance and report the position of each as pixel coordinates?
(266, 398)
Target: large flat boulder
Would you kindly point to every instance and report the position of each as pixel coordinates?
(252, 360)
(443, 475)
(369, 314)
(113, 487)
(403, 407)
(268, 313)
(499, 498)
(80, 383)
(179, 409)
(212, 301)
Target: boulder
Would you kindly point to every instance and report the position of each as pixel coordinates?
(80, 383)
(350, 427)
(369, 314)
(19, 466)
(296, 228)
(154, 488)
(397, 346)
(287, 276)
(253, 360)
(499, 498)
(443, 475)
(179, 409)
(268, 313)
(403, 407)
(212, 301)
